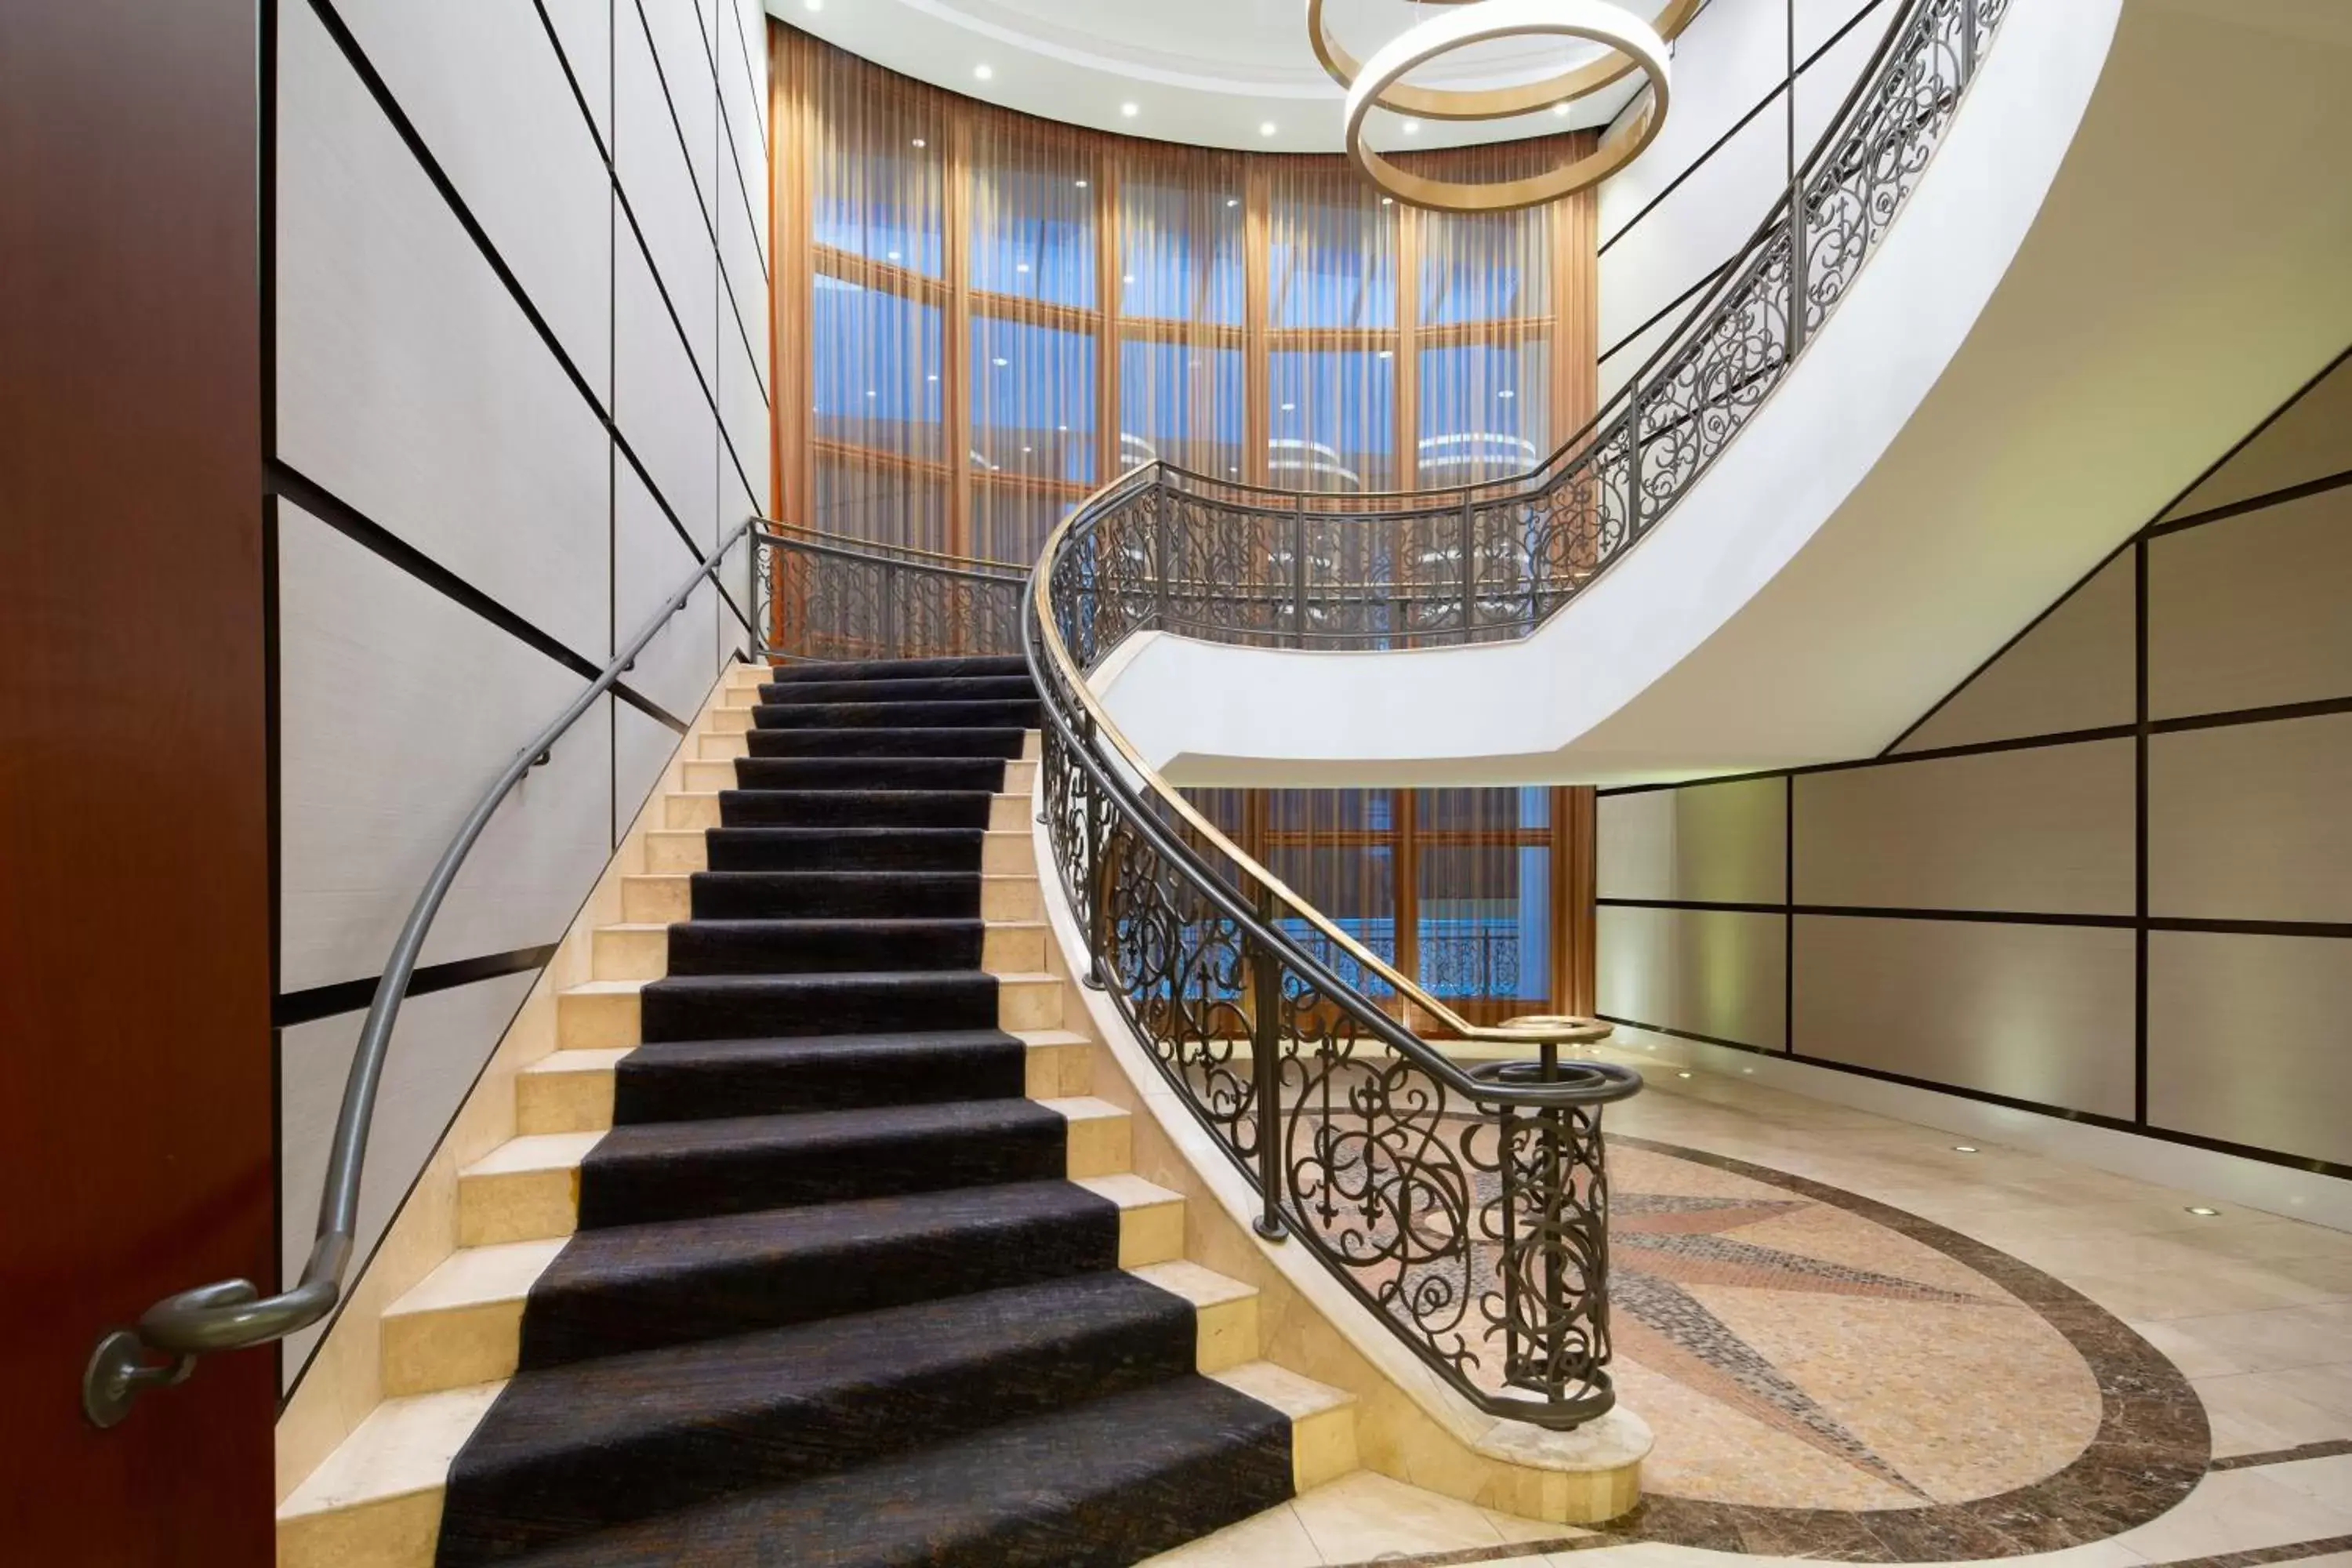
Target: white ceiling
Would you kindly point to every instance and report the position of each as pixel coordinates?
(1209, 72)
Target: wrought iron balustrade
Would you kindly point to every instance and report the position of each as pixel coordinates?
(1212, 558)
(1466, 1206)
(825, 596)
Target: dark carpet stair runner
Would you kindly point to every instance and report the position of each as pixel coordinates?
(831, 1301)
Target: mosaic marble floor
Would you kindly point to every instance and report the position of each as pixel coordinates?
(1855, 1342)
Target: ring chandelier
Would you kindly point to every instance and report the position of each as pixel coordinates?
(1379, 83)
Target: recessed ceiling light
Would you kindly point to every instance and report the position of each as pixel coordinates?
(1506, 392)
(1561, 110)
(1267, 128)
(812, 5)
(871, 393)
(1080, 184)
(2202, 1212)
(894, 255)
(1290, 408)
(1388, 201)
(1131, 110)
(1062, 427)
(1232, 201)
(920, 143)
(1682, 1075)
(1964, 1148)
(1003, 362)
(931, 378)
(1411, 127)
(1020, 267)
(1024, 449)
(1129, 278)
(1388, 353)
(983, 72)
(1233, 470)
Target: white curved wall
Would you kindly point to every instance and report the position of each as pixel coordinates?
(2076, 312)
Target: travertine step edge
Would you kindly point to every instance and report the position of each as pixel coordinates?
(528, 1188)
(604, 1014)
(571, 1091)
(688, 849)
(660, 897)
(714, 744)
(463, 1323)
(703, 776)
(699, 808)
(639, 950)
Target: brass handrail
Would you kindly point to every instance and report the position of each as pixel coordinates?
(1531, 1031)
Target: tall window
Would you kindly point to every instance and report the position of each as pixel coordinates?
(1471, 892)
(994, 314)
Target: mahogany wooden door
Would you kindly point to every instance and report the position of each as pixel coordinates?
(135, 1062)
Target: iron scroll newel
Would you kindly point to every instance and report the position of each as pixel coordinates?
(233, 1314)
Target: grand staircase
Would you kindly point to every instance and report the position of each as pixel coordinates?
(811, 1247)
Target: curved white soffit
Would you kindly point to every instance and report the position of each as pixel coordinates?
(1217, 96)
(2005, 392)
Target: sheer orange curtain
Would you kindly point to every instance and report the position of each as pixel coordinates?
(981, 316)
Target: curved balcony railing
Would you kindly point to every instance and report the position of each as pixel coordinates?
(1214, 558)
(826, 596)
(1467, 1205)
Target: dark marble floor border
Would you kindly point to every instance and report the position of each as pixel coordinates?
(2151, 1446)
(2294, 1552)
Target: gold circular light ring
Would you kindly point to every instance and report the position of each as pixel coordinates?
(1481, 23)
(1491, 103)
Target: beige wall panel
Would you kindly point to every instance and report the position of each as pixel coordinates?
(2072, 671)
(2251, 612)
(2036, 1013)
(1717, 844)
(2309, 441)
(2253, 822)
(1711, 972)
(2247, 1040)
(2047, 830)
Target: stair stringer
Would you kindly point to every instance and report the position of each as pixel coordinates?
(343, 1382)
(1410, 1425)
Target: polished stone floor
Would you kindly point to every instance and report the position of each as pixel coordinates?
(1858, 1341)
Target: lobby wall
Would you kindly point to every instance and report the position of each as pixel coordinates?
(2108, 877)
(516, 338)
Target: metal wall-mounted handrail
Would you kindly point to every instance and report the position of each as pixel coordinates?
(233, 1314)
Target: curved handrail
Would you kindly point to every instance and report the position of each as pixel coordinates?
(1438, 1193)
(1496, 558)
(233, 1314)
(1059, 672)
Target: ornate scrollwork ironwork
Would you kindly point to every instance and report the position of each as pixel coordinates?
(824, 596)
(1461, 1211)
(1209, 558)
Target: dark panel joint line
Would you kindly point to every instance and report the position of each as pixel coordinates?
(2254, 503)
(1767, 101)
(354, 995)
(379, 90)
(1985, 1097)
(347, 520)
